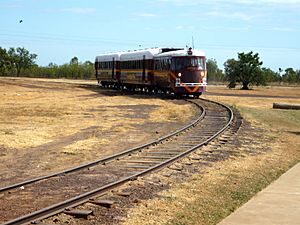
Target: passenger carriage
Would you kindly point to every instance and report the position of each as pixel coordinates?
(172, 70)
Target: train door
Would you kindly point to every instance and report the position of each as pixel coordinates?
(113, 68)
(144, 68)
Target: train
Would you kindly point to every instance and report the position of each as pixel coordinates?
(177, 71)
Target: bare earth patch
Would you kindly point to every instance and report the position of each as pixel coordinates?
(50, 125)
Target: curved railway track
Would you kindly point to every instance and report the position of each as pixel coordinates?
(46, 196)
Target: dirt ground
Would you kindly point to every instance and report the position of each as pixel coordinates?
(50, 125)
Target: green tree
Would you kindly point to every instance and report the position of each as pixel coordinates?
(269, 75)
(245, 70)
(298, 76)
(74, 61)
(290, 76)
(5, 64)
(231, 69)
(21, 59)
(213, 71)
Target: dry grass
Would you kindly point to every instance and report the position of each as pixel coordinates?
(206, 199)
(259, 109)
(50, 125)
(171, 113)
(82, 147)
(263, 90)
(209, 197)
(34, 112)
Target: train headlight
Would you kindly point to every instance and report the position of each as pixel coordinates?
(179, 74)
(202, 74)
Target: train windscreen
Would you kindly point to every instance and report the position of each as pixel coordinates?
(181, 63)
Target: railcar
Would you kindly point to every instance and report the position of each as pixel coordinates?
(171, 70)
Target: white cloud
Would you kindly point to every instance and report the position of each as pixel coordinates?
(286, 3)
(235, 15)
(180, 2)
(281, 29)
(225, 28)
(179, 27)
(146, 15)
(79, 10)
(11, 4)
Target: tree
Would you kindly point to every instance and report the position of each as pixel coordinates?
(21, 59)
(291, 76)
(269, 75)
(213, 71)
(74, 61)
(5, 64)
(245, 70)
(231, 69)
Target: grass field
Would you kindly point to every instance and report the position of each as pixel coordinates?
(49, 125)
(209, 197)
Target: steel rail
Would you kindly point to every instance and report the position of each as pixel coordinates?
(80, 199)
(109, 158)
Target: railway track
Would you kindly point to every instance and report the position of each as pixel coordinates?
(42, 197)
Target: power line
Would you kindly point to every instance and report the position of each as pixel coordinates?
(135, 43)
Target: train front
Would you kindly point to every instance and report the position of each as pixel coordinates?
(189, 73)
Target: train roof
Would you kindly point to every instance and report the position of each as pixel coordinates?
(148, 54)
(108, 57)
(140, 54)
(182, 52)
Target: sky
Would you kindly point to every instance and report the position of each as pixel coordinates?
(58, 30)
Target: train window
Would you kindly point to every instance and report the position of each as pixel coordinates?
(156, 64)
(179, 63)
(183, 62)
(201, 63)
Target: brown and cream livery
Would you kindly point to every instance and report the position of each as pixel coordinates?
(171, 70)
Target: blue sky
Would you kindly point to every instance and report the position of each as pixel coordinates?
(57, 30)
